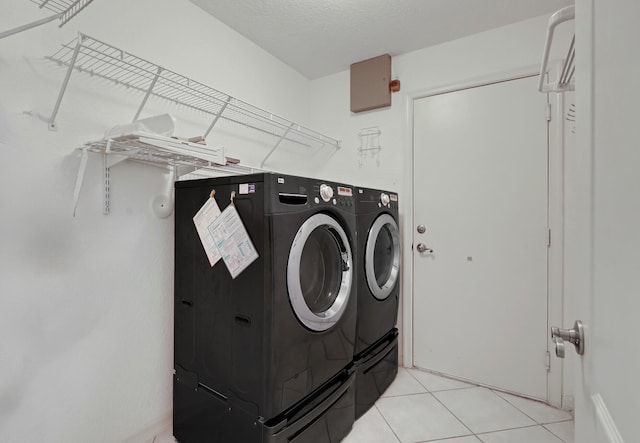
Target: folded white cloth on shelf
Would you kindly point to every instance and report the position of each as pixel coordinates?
(162, 124)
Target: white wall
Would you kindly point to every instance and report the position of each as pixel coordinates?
(481, 56)
(86, 319)
(87, 303)
(461, 61)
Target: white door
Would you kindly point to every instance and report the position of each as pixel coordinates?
(480, 191)
(606, 281)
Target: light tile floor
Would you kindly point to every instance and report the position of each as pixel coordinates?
(423, 407)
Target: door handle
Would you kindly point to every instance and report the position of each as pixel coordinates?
(575, 336)
(423, 248)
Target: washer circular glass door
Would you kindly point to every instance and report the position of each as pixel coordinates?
(382, 256)
(319, 272)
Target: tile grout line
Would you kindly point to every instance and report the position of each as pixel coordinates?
(520, 427)
(535, 421)
(514, 406)
(527, 415)
(433, 396)
(553, 433)
(457, 418)
(476, 435)
(471, 385)
(444, 406)
(387, 423)
(429, 441)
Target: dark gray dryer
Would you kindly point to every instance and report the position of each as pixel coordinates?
(266, 356)
(378, 288)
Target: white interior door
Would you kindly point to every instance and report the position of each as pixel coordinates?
(606, 163)
(480, 191)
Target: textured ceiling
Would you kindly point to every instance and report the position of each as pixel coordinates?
(322, 37)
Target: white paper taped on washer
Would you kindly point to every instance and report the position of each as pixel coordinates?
(233, 241)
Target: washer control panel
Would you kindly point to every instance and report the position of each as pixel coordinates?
(335, 195)
(326, 192)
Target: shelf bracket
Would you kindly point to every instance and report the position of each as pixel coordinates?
(146, 97)
(282, 137)
(215, 120)
(29, 25)
(108, 161)
(183, 170)
(80, 179)
(106, 185)
(65, 83)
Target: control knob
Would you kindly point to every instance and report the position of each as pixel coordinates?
(384, 199)
(326, 192)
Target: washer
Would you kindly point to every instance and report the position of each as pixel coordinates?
(376, 350)
(265, 355)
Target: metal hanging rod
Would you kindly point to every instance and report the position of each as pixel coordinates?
(565, 83)
(64, 10)
(96, 58)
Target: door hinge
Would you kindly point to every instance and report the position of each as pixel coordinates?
(548, 112)
(547, 360)
(549, 238)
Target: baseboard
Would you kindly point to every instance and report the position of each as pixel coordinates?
(568, 403)
(606, 427)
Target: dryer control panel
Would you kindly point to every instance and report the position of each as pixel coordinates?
(373, 199)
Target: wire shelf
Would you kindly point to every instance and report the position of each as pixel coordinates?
(66, 8)
(142, 152)
(96, 58)
(150, 148)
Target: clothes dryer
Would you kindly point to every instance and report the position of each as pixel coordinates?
(378, 257)
(379, 265)
(272, 347)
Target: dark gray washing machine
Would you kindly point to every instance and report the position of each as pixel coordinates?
(378, 289)
(266, 357)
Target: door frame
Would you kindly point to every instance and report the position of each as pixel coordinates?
(555, 283)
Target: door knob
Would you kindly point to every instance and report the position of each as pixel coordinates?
(575, 336)
(559, 347)
(423, 248)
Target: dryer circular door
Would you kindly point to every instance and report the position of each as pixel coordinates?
(382, 256)
(320, 272)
